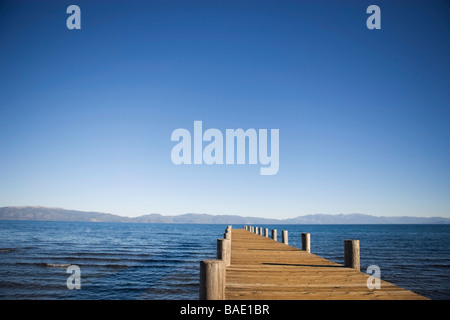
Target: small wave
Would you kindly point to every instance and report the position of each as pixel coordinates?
(65, 265)
(56, 265)
(440, 266)
(119, 266)
(119, 255)
(89, 260)
(45, 264)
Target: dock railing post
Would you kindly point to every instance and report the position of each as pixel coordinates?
(256, 230)
(306, 242)
(284, 236)
(266, 232)
(351, 254)
(212, 280)
(224, 250)
(227, 234)
(274, 234)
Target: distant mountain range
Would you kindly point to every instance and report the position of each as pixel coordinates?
(58, 214)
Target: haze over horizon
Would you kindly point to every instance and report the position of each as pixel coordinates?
(39, 213)
(86, 115)
(221, 214)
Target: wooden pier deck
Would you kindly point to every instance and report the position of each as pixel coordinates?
(264, 269)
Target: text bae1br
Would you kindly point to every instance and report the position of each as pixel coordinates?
(227, 309)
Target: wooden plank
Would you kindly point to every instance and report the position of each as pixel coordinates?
(264, 269)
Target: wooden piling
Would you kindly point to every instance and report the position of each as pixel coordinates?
(224, 250)
(212, 280)
(306, 242)
(266, 232)
(284, 237)
(274, 234)
(351, 254)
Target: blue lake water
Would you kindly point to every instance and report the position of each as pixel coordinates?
(161, 261)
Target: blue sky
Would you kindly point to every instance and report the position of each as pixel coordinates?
(86, 115)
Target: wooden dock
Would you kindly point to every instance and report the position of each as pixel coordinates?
(265, 269)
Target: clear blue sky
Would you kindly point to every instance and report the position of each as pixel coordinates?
(364, 115)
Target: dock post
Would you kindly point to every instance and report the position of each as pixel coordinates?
(212, 280)
(260, 231)
(256, 230)
(224, 250)
(266, 232)
(306, 242)
(351, 254)
(284, 236)
(274, 234)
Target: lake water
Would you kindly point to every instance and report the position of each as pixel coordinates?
(161, 261)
